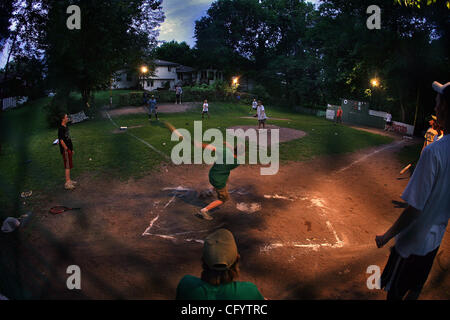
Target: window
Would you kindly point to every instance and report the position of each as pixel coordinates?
(169, 69)
(128, 76)
(210, 75)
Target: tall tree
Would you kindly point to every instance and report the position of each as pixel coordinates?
(175, 52)
(113, 34)
(6, 9)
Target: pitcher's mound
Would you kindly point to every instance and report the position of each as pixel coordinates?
(285, 134)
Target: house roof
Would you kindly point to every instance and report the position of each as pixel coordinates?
(185, 69)
(165, 63)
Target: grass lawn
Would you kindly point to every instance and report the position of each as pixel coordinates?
(410, 154)
(29, 161)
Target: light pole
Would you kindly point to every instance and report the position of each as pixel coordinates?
(375, 83)
(144, 70)
(110, 92)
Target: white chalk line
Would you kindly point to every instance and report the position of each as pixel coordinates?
(151, 225)
(170, 201)
(174, 236)
(276, 196)
(320, 204)
(391, 145)
(315, 202)
(139, 139)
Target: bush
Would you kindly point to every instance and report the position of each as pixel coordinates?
(62, 102)
(218, 91)
(261, 93)
(246, 97)
(131, 99)
(56, 107)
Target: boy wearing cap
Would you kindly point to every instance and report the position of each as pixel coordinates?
(431, 132)
(218, 177)
(220, 269)
(419, 230)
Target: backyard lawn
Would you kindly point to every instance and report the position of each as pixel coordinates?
(29, 161)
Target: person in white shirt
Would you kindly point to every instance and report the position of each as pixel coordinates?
(261, 113)
(420, 228)
(178, 93)
(205, 108)
(254, 104)
(388, 122)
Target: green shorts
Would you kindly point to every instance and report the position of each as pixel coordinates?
(222, 194)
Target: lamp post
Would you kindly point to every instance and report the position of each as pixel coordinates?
(110, 92)
(144, 70)
(375, 83)
(235, 81)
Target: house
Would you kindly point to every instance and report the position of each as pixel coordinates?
(166, 75)
(125, 79)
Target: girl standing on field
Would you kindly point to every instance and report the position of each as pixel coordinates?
(205, 108)
(261, 113)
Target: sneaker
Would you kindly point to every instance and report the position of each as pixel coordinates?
(73, 182)
(69, 186)
(204, 215)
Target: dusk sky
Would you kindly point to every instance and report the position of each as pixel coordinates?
(180, 19)
(179, 24)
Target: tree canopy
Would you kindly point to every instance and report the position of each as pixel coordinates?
(311, 56)
(113, 35)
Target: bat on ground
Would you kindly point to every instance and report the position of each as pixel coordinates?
(405, 168)
(61, 209)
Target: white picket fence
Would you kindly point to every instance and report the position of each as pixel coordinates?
(13, 102)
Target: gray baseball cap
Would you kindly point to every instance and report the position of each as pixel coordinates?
(220, 250)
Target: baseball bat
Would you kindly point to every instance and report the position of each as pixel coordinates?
(405, 168)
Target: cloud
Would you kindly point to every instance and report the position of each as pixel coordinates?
(180, 19)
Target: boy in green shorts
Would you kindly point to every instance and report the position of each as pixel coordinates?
(218, 177)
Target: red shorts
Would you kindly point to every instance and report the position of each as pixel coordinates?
(67, 157)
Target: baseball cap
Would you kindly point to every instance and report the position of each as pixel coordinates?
(220, 250)
(433, 117)
(439, 88)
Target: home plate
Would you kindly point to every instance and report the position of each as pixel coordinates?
(248, 207)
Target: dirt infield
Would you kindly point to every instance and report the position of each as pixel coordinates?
(306, 233)
(285, 134)
(254, 118)
(162, 108)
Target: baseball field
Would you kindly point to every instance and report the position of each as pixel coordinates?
(305, 233)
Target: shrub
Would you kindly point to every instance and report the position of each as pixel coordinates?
(56, 107)
(131, 99)
(260, 93)
(246, 97)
